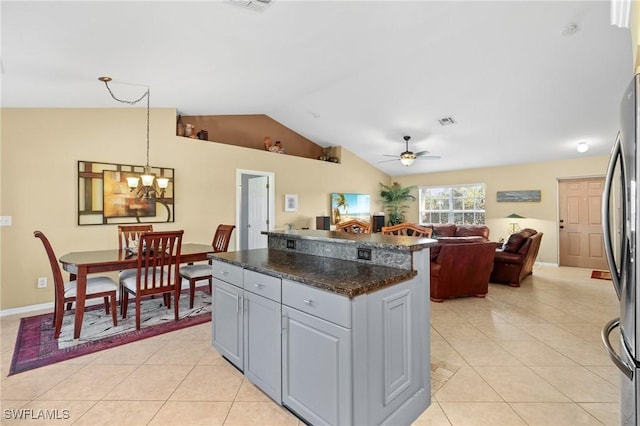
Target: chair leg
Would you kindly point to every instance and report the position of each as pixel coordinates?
(192, 291)
(137, 311)
(69, 304)
(57, 318)
(176, 305)
(124, 302)
(114, 309)
(211, 285)
(106, 305)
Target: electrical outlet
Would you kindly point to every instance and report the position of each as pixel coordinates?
(5, 220)
(42, 282)
(291, 244)
(364, 254)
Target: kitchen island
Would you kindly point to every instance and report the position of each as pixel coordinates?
(334, 326)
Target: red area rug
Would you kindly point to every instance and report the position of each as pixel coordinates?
(601, 275)
(36, 347)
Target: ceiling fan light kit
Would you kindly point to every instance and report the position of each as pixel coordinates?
(408, 157)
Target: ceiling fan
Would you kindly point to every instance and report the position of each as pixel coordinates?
(407, 157)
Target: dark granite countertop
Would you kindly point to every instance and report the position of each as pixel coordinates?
(375, 240)
(338, 276)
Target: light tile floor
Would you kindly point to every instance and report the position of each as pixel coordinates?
(521, 356)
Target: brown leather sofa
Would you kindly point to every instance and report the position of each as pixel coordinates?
(514, 262)
(465, 233)
(461, 269)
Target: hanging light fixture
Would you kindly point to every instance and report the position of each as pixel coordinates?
(147, 178)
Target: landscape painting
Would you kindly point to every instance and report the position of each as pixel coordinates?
(350, 206)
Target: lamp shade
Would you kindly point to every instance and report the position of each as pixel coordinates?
(163, 182)
(132, 182)
(515, 216)
(147, 180)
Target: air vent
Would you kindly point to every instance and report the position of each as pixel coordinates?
(252, 4)
(446, 121)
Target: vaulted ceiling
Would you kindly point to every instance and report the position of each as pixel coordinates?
(524, 81)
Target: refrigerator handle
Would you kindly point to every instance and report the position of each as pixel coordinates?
(606, 215)
(622, 366)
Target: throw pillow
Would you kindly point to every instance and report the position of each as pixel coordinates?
(514, 243)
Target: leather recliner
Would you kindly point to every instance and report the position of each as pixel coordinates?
(461, 269)
(514, 262)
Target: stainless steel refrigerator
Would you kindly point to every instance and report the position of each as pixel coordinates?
(620, 218)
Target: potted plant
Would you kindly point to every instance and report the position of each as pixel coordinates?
(393, 200)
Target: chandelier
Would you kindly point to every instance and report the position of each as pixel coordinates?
(147, 186)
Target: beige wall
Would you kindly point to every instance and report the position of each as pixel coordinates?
(543, 176)
(40, 150)
(38, 182)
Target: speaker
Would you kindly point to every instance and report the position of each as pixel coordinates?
(323, 222)
(378, 222)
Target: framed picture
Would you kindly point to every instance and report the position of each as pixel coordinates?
(290, 202)
(519, 196)
(350, 206)
(104, 198)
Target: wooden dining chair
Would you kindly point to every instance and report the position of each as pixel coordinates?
(202, 271)
(406, 228)
(354, 226)
(157, 271)
(127, 234)
(65, 292)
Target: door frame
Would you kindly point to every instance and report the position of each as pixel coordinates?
(242, 196)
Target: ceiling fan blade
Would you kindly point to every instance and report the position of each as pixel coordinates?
(386, 161)
(389, 155)
(428, 157)
(421, 153)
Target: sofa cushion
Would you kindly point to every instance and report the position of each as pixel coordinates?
(444, 230)
(514, 243)
(472, 231)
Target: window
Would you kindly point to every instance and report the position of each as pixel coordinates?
(463, 204)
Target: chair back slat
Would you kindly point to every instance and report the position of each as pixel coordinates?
(158, 262)
(354, 226)
(405, 227)
(128, 233)
(222, 237)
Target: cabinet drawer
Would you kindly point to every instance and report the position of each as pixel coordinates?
(323, 304)
(264, 285)
(227, 272)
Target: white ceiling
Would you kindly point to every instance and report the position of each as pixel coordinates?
(360, 74)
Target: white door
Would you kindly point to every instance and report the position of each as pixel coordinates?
(258, 212)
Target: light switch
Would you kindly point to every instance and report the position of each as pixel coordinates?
(5, 220)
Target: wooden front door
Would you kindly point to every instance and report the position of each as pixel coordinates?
(580, 223)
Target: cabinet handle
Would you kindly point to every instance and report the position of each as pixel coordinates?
(258, 285)
(308, 301)
(284, 323)
(224, 272)
(239, 300)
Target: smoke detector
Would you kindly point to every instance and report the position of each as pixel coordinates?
(258, 5)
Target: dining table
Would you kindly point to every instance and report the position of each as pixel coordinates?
(82, 263)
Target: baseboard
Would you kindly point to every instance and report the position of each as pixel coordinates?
(49, 305)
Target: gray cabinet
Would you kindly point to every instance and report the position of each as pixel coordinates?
(247, 324)
(316, 368)
(262, 327)
(228, 326)
(331, 359)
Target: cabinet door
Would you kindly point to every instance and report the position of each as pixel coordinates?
(316, 368)
(227, 322)
(262, 344)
